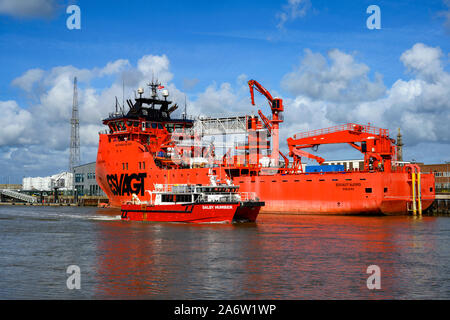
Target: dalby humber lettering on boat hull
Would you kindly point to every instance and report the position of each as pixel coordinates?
(217, 207)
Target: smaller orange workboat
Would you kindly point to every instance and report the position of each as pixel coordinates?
(194, 203)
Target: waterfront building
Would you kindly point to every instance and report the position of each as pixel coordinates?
(84, 180)
(441, 173)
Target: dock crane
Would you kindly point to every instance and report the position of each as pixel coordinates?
(272, 125)
(379, 150)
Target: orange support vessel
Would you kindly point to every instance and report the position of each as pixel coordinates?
(145, 146)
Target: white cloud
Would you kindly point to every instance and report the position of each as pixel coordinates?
(242, 79)
(28, 79)
(43, 128)
(292, 10)
(343, 79)
(224, 100)
(327, 90)
(215, 100)
(341, 92)
(423, 61)
(115, 67)
(155, 67)
(446, 15)
(14, 123)
(28, 8)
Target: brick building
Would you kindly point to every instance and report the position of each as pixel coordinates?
(441, 173)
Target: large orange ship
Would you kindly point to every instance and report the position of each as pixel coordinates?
(144, 147)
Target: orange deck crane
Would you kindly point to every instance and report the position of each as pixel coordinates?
(272, 125)
(378, 149)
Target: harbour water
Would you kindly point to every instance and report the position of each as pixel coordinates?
(279, 257)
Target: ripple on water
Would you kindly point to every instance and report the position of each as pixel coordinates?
(279, 257)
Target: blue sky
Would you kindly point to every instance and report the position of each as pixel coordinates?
(214, 42)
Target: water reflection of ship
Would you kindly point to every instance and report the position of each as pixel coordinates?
(302, 257)
(163, 261)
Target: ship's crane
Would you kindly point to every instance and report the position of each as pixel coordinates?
(297, 154)
(374, 143)
(56, 184)
(272, 125)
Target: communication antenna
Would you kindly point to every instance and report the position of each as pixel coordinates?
(185, 107)
(75, 130)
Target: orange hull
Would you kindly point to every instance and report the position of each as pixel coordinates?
(120, 172)
(196, 213)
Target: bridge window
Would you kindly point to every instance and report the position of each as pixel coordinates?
(368, 190)
(169, 127)
(167, 198)
(183, 198)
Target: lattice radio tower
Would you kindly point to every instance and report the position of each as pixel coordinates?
(75, 131)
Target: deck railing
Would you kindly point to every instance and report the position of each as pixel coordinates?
(343, 127)
(248, 196)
